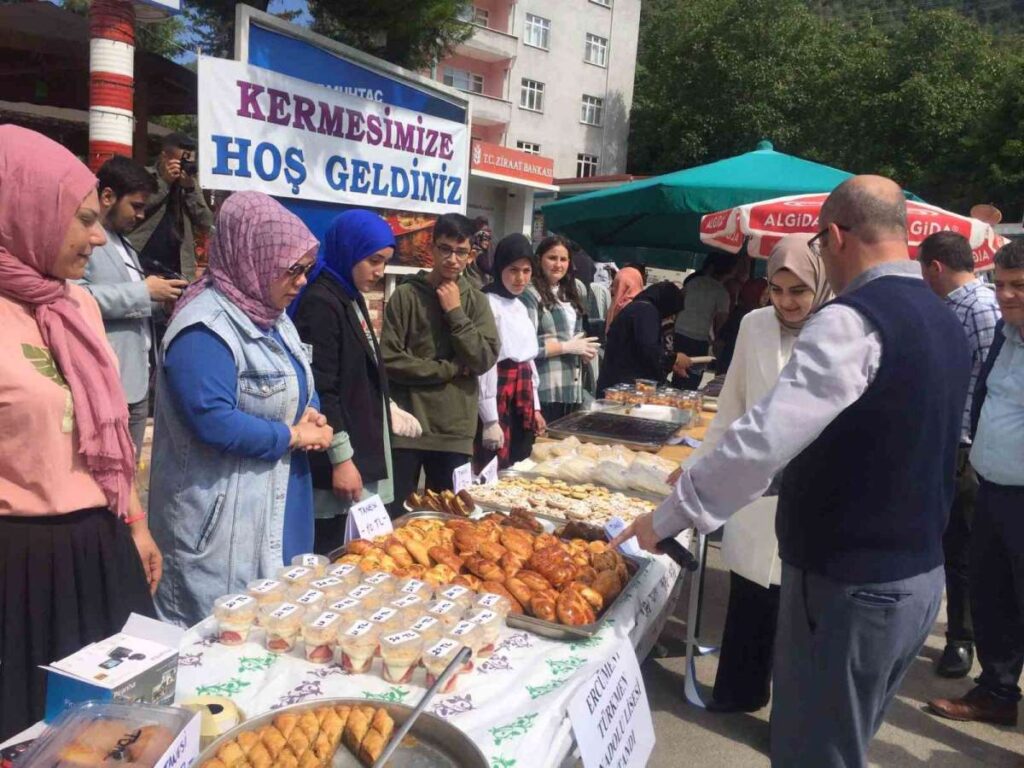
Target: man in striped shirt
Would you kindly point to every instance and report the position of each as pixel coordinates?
(948, 267)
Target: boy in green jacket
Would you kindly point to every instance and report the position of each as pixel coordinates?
(438, 336)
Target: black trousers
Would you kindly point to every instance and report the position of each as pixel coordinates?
(690, 348)
(997, 587)
(436, 465)
(956, 543)
(555, 411)
(745, 658)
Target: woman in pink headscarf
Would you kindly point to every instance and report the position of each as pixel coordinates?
(231, 494)
(71, 527)
(626, 286)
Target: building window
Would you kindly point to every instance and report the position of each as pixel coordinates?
(464, 80)
(538, 30)
(529, 147)
(531, 96)
(590, 112)
(475, 15)
(586, 166)
(605, 3)
(597, 50)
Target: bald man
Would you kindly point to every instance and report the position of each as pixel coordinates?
(865, 421)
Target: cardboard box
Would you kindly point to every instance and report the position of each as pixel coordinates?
(138, 665)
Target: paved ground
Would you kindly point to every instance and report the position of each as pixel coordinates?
(909, 738)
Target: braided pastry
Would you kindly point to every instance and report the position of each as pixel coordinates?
(485, 569)
(573, 609)
(542, 605)
(520, 591)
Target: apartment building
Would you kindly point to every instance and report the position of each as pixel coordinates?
(550, 84)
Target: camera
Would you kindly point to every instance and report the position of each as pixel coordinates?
(188, 162)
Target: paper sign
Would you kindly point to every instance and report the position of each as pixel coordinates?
(613, 528)
(490, 474)
(462, 477)
(611, 716)
(367, 520)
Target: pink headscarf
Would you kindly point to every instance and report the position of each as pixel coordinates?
(626, 286)
(256, 240)
(42, 186)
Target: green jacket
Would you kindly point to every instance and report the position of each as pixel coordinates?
(433, 359)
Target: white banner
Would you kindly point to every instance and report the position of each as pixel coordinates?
(260, 130)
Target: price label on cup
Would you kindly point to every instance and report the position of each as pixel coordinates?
(424, 623)
(325, 619)
(359, 628)
(462, 477)
(412, 587)
(284, 610)
(367, 520)
(442, 648)
(237, 602)
(266, 586)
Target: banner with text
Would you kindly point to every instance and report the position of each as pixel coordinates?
(260, 130)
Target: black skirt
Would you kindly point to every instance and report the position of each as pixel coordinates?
(65, 581)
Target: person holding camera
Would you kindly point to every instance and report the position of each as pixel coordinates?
(165, 239)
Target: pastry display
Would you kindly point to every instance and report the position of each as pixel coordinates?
(387, 619)
(437, 658)
(445, 611)
(115, 742)
(358, 644)
(320, 636)
(458, 593)
(382, 580)
(368, 596)
(348, 574)
(400, 653)
(311, 600)
(296, 577)
(409, 607)
(429, 628)
(236, 615)
(332, 587)
(317, 563)
(349, 609)
(309, 739)
(559, 499)
(415, 587)
(267, 591)
(282, 623)
(459, 504)
(490, 623)
(496, 603)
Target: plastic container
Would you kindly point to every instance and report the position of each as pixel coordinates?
(267, 591)
(468, 633)
(236, 615)
(387, 619)
(318, 563)
(349, 574)
(358, 645)
(349, 609)
(107, 733)
(429, 628)
(311, 600)
(457, 593)
(409, 607)
(320, 636)
(282, 624)
(382, 581)
(447, 612)
(371, 597)
(646, 387)
(297, 577)
(331, 586)
(415, 587)
(401, 652)
(490, 623)
(496, 603)
(437, 657)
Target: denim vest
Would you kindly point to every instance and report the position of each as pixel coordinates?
(219, 518)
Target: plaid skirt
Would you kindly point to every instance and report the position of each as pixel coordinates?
(515, 401)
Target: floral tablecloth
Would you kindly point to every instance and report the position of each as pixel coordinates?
(512, 705)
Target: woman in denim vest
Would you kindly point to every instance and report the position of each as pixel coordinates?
(231, 496)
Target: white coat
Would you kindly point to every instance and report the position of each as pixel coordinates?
(763, 347)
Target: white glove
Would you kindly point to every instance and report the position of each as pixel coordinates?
(584, 346)
(404, 423)
(492, 437)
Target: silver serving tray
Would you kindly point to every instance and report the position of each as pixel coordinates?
(569, 426)
(432, 742)
(667, 413)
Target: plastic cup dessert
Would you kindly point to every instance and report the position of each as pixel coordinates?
(371, 597)
(282, 624)
(409, 607)
(437, 657)
(317, 563)
(296, 577)
(429, 628)
(468, 633)
(458, 594)
(320, 636)
(311, 600)
(490, 623)
(445, 611)
(382, 581)
(387, 619)
(415, 587)
(349, 574)
(401, 654)
(646, 386)
(235, 616)
(349, 609)
(496, 603)
(267, 592)
(331, 586)
(358, 643)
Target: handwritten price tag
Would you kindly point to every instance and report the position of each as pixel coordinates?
(462, 477)
(613, 528)
(489, 476)
(367, 520)
(237, 602)
(442, 648)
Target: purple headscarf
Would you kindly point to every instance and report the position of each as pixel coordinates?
(256, 240)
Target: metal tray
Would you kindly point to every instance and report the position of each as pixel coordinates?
(432, 742)
(611, 428)
(666, 413)
(633, 494)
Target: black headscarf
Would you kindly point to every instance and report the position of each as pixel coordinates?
(666, 296)
(510, 249)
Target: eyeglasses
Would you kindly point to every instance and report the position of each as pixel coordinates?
(815, 242)
(447, 251)
(298, 269)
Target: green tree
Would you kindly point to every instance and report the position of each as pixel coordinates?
(165, 38)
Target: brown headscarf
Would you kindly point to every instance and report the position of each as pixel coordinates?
(793, 253)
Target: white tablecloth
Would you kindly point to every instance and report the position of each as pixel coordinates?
(512, 705)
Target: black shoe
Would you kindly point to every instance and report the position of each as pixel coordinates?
(956, 660)
(727, 707)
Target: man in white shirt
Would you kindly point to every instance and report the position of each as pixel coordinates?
(127, 297)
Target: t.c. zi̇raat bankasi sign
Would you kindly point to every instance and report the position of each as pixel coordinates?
(260, 130)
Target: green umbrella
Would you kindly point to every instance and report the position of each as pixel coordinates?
(664, 212)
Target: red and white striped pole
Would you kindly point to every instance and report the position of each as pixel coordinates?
(111, 80)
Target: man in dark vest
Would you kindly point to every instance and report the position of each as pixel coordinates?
(865, 420)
